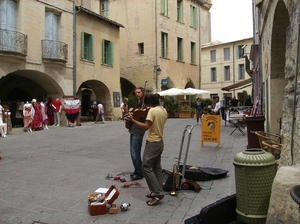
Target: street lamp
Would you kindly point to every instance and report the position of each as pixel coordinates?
(157, 71)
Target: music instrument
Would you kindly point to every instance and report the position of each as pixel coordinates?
(176, 179)
(137, 113)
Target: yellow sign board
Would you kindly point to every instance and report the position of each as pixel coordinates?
(211, 128)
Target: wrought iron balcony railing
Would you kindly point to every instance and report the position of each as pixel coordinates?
(13, 41)
(55, 50)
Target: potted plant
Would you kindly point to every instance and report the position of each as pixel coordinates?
(207, 105)
(171, 105)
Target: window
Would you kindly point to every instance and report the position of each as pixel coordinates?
(104, 8)
(107, 52)
(141, 48)
(179, 11)
(8, 15)
(194, 16)
(241, 72)
(193, 53)
(179, 49)
(226, 73)
(87, 46)
(213, 56)
(8, 21)
(164, 7)
(164, 45)
(240, 52)
(51, 46)
(227, 54)
(213, 74)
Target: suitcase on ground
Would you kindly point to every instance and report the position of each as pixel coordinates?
(168, 180)
(219, 212)
(203, 173)
(168, 175)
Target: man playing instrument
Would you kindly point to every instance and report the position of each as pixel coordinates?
(136, 138)
(155, 122)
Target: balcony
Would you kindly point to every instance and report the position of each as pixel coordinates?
(13, 42)
(55, 51)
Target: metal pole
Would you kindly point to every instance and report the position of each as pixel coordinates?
(74, 48)
(155, 67)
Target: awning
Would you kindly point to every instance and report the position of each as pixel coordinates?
(239, 85)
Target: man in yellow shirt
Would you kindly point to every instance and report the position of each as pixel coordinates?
(155, 122)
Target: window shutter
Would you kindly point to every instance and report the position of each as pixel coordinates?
(103, 51)
(111, 53)
(196, 17)
(91, 48)
(82, 45)
(162, 6)
(191, 15)
(166, 7)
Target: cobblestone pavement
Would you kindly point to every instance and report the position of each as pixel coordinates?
(46, 176)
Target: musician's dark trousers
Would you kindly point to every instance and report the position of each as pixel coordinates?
(152, 166)
(136, 141)
(223, 113)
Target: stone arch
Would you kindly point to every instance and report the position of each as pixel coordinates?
(189, 83)
(95, 90)
(24, 85)
(276, 79)
(34, 84)
(127, 87)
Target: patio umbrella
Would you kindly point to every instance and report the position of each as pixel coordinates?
(192, 91)
(171, 92)
(180, 92)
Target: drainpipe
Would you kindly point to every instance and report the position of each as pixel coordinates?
(74, 48)
(156, 60)
(295, 94)
(200, 48)
(233, 65)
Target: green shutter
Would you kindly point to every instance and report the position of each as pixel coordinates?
(112, 53)
(91, 48)
(181, 11)
(162, 6)
(166, 9)
(195, 17)
(82, 45)
(191, 15)
(103, 53)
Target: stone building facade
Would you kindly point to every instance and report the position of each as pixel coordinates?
(224, 69)
(160, 35)
(37, 55)
(276, 34)
(275, 56)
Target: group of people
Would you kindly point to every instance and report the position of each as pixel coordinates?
(36, 115)
(219, 106)
(153, 120)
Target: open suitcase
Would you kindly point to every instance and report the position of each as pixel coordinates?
(219, 212)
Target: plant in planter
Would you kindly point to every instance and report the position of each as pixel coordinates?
(171, 105)
(207, 105)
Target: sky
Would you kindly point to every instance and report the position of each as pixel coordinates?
(235, 12)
